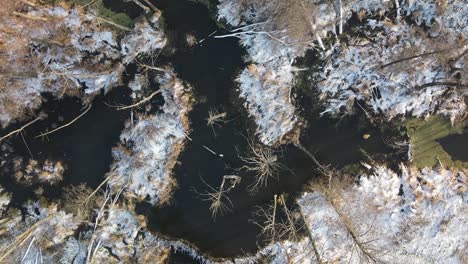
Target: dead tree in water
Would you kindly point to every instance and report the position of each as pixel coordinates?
(215, 118)
(220, 203)
(324, 170)
(263, 162)
(279, 222)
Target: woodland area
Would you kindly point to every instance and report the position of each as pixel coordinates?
(233, 131)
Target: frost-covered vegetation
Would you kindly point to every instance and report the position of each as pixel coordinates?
(70, 50)
(150, 145)
(46, 233)
(63, 50)
(400, 71)
(395, 60)
(392, 68)
(399, 60)
(416, 216)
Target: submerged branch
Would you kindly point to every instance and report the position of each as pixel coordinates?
(144, 100)
(21, 128)
(219, 201)
(66, 125)
(324, 170)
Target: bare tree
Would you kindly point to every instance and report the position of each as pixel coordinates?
(220, 203)
(263, 162)
(325, 170)
(290, 22)
(277, 221)
(215, 118)
(76, 201)
(332, 191)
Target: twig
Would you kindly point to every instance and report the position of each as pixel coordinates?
(214, 118)
(19, 240)
(240, 31)
(211, 151)
(100, 214)
(114, 24)
(146, 99)
(21, 128)
(91, 3)
(153, 67)
(263, 162)
(97, 189)
(324, 170)
(29, 17)
(27, 250)
(412, 57)
(422, 86)
(340, 28)
(66, 125)
(215, 196)
(26, 144)
(312, 240)
(29, 3)
(291, 227)
(214, 32)
(268, 226)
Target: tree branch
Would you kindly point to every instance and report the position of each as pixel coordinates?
(21, 128)
(66, 125)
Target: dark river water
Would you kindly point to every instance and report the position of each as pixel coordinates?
(210, 67)
(84, 147)
(456, 145)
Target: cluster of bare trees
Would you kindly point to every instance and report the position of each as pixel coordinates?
(277, 221)
(263, 162)
(291, 22)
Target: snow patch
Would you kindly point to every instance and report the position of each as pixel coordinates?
(150, 145)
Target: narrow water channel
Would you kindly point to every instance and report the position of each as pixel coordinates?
(211, 67)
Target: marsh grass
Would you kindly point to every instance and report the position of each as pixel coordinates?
(423, 135)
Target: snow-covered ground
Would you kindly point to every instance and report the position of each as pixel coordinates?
(150, 145)
(352, 71)
(386, 77)
(418, 216)
(412, 217)
(64, 51)
(46, 234)
(266, 83)
(266, 89)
